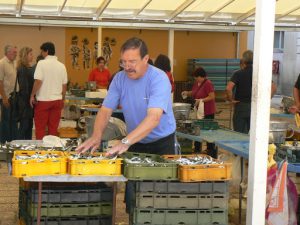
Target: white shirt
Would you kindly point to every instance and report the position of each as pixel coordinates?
(8, 75)
(53, 75)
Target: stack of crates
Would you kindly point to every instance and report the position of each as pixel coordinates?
(174, 202)
(67, 203)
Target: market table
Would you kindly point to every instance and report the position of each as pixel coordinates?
(70, 178)
(241, 148)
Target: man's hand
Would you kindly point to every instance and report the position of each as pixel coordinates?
(117, 149)
(92, 144)
(32, 101)
(294, 109)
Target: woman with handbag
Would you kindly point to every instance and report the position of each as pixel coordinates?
(203, 91)
(25, 72)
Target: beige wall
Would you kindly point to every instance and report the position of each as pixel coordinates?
(188, 45)
(79, 74)
(33, 36)
(156, 40)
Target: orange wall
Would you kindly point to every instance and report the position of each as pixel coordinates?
(156, 40)
(34, 37)
(188, 45)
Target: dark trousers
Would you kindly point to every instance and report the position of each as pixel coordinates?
(8, 125)
(163, 146)
(211, 148)
(25, 129)
(241, 117)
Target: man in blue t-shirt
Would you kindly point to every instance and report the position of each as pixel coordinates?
(144, 94)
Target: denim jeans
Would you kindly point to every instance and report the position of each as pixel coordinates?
(8, 125)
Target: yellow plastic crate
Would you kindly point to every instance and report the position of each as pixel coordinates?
(205, 172)
(103, 167)
(209, 172)
(36, 167)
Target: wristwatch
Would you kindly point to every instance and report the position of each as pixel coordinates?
(125, 141)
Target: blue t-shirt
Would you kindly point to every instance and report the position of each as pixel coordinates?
(152, 90)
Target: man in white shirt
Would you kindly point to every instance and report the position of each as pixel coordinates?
(49, 89)
(8, 74)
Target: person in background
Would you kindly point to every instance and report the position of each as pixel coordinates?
(296, 93)
(48, 92)
(8, 74)
(241, 81)
(100, 74)
(25, 75)
(163, 62)
(203, 90)
(150, 61)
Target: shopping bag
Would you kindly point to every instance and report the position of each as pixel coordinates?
(281, 203)
(200, 110)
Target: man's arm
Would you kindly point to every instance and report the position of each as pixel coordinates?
(143, 129)
(64, 90)
(273, 89)
(94, 141)
(36, 86)
(229, 89)
(296, 97)
(4, 97)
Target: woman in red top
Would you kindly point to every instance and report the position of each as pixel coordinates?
(100, 74)
(163, 62)
(203, 89)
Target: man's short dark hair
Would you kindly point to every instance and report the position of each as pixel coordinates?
(48, 46)
(99, 59)
(135, 43)
(163, 62)
(248, 57)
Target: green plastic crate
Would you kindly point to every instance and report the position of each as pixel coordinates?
(163, 170)
(181, 216)
(206, 124)
(68, 210)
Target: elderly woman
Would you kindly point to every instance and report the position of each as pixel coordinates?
(203, 90)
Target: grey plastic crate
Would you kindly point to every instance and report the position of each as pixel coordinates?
(220, 187)
(70, 221)
(181, 201)
(72, 196)
(199, 217)
(68, 210)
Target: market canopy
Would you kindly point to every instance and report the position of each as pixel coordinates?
(169, 13)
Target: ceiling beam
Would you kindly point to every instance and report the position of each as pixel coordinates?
(134, 25)
(101, 9)
(19, 7)
(180, 9)
(287, 13)
(251, 12)
(62, 7)
(142, 8)
(219, 9)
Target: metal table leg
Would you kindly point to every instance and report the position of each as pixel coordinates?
(114, 203)
(241, 190)
(40, 186)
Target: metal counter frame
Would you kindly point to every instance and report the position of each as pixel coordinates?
(69, 178)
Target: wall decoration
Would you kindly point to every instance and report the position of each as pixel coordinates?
(86, 53)
(74, 52)
(95, 53)
(106, 48)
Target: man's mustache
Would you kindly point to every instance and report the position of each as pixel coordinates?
(130, 71)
